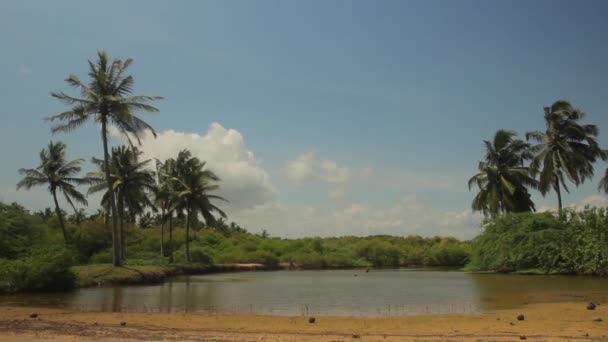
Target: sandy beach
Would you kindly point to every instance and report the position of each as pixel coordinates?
(542, 322)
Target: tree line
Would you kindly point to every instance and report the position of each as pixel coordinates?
(550, 160)
(178, 186)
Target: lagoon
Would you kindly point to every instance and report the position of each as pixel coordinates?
(334, 292)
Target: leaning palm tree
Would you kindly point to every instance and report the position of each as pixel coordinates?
(503, 180)
(59, 175)
(106, 99)
(131, 183)
(604, 183)
(193, 184)
(565, 150)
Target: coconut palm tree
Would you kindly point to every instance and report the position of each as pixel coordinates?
(106, 99)
(604, 183)
(565, 150)
(503, 179)
(193, 184)
(58, 174)
(131, 182)
(165, 200)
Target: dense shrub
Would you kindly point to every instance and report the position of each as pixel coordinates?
(45, 270)
(576, 242)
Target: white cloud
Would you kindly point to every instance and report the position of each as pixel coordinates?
(595, 201)
(245, 183)
(307, 168)
(406, 217)
(366, 172)
(24, 70)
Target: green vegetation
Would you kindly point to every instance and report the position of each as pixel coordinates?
(566, 150)
(106, 100)
(34, 256)
(59, 175)
(178, 195)
(502, 177)
(574, 243)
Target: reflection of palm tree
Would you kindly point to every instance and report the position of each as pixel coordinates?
(106, 100)
(58, 174)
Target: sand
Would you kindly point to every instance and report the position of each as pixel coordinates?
(543, 322)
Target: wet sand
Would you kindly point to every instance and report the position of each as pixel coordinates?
(543, 322)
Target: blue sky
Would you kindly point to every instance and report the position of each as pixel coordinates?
(397, 94)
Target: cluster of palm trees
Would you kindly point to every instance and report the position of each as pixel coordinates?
(565, 152)
(131, 188)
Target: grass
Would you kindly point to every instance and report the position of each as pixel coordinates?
(105, 274)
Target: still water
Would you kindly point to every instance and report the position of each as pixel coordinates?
(350, 292)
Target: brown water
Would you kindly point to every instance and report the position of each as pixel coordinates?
(381, 292)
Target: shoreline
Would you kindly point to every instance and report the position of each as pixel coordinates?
(569, 321)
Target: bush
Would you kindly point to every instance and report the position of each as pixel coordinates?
(576, 243)
(200, 255)
(46, 270)
(103, 257)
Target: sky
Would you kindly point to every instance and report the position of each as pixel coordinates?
(323, 118)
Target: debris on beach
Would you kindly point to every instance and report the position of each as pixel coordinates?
(598, 319)
(34, 315)
(123, 323)
(520, 317)
(311, 320)
(591, 306)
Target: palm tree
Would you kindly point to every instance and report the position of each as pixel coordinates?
(165, 200)
(503, 179)
(59, 175)
(604, 183)
(193, 184)
(131, 180)
(567, 149)
(106, 99)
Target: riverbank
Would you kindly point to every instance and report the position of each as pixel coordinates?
(545, 321)
(106, 274)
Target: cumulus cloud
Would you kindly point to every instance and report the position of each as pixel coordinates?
(245, 183)
(408, 216)
(307, 167)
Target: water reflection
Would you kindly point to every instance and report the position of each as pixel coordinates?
(386, 292)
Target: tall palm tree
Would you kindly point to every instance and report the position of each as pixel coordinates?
(565, 150)
(131, 183)
(59, 175)
(503, 179)
(193, 184)
(106, 99)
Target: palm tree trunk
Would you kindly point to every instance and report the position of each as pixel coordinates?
(171, 237)
(121, 212)
(162, 233)
(60, 217)
(116, 260)
(559, 198)
(188, 234)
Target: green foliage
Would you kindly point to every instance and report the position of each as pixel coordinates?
(18, 231)
(47, 269)
(575, 243)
